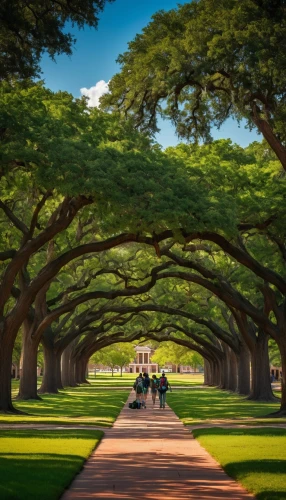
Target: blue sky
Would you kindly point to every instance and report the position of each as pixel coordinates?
(95, 53)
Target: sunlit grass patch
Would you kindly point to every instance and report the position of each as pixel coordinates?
(86, 404)
(127, 379)
(254, 457)
(208, 404)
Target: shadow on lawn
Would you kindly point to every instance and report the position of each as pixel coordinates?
(38, 472)
(250, 462)
(209, 404)
(240, 470)
(81, 402)
(37, 475)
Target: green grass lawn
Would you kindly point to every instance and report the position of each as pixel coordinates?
(37, 465)
(86, 404)
(94, 404)
(254, 457)
(209, 404)
(127, 379)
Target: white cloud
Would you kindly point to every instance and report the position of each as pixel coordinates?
(94, 93)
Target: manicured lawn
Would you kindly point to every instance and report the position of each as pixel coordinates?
(86, 404)
(127, 379)
(37, 465)
(254, 457)
(208, 404)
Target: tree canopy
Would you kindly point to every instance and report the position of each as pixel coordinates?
(28, 28)
(108, 239)
(204, 62)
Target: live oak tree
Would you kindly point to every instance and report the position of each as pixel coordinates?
(204, 62)
(29, 28)
(55, 340)
(86, 165)
(245, 213)
(75, 161)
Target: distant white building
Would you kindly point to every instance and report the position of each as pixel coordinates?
(142, 362)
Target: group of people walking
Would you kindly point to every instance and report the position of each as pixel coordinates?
(156, 385)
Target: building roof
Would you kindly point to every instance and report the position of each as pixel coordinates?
(142, 348)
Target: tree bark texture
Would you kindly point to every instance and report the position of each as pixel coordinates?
(6, 350)
(49, 381)
(243, 369)
(206, 372)
(232, 371)
(80, 370)
(66, 366)
(261, 389)
(29, 376)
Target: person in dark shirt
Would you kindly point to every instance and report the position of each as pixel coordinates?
(146, 385)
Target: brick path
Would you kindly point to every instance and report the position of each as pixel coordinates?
(149, 454)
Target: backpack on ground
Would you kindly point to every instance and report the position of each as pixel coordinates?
(133, 405)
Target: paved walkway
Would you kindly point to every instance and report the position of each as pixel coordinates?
(149, 454)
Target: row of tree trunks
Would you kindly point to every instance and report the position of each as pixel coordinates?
(233, 372)
(68, 369)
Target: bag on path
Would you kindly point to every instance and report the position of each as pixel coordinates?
(133, 405)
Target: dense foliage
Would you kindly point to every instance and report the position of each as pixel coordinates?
(28, 28)
(206, 61)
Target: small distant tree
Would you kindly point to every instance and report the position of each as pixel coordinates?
(169, 352)
(97, 359)
(192, 359)
(115, 355)
(274, 353)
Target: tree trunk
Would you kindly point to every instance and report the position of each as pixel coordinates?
(49, 382)
(243, 369)
(68, 368)
(28, 380)
(282, 348)
(207, 370)
(232, 366)
(121, 367)
(80, 371)
(261, 389)
(211, 377)
(282, 411)
(6, 350)
(58, 371)
(217, 374)
(72, 372)
(65, 361)
(225, 372)
(268, 134)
